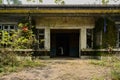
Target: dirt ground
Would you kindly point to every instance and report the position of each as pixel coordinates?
(61, 69)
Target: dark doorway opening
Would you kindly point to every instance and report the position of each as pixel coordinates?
(64, 43)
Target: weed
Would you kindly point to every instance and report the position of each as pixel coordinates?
(112, 62)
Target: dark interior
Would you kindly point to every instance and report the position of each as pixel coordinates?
(64, 43)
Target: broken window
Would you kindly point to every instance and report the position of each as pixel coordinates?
(40, 33)
(118, 41)
(89, 38)
(8, 27)
(6, 30)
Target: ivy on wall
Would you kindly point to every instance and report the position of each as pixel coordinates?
(106, 26)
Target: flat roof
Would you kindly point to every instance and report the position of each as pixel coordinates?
(89, 9)
(2, 6)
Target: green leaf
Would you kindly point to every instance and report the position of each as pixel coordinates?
(41, 1)
(0, 1)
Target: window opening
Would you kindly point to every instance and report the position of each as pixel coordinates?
(89, 38)
(41, 38)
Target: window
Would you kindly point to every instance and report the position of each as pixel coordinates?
(118, 41)
(12, 27)
(40, 34)
(0, 27)
(3, 35)
(119, 38)
(89, 38)
(0, 35)
(8, 28)
(0, 32)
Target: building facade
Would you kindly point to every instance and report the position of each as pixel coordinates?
(66, 30)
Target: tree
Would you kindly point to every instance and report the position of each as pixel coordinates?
(40, 1)
(60, 2)
(34, 1)
(14, 2)
(0, 1)
(105, 2)
(17, 2)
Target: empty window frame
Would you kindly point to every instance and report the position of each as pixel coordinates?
(41, 37)
(89, 38)
(9, 27)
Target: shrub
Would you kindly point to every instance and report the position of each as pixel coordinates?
(115, 74)
(112, 62)
(8, 58)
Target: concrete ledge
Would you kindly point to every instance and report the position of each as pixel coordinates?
(90, 57)
(44, 57)
(20, 58)
(114, 49)
(23, 50)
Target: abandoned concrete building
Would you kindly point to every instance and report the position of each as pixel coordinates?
(67, 30)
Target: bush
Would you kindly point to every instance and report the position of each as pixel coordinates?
(8, 58)
(115, 74)
(28, 63)
(9, 62)
(112, 62)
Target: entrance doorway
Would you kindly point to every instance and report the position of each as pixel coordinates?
(64, 43)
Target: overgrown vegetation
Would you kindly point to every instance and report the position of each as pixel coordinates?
(107, 31)
(22, 38)
(19, 2)
(10, 62)
(111, 62)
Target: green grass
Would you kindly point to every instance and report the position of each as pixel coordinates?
(112, 62)
(11, 62)
(6, 69)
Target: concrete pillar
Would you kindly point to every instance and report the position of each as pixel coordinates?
(79, 43)
(83, 38)
(47, 38)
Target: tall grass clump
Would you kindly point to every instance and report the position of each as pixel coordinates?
(112, 62)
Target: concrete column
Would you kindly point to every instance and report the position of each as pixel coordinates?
(47, 38)
(79, 43)
(83, 38)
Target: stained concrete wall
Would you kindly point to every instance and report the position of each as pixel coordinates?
(65, 22)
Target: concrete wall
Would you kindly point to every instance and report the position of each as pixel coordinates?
(65, 22)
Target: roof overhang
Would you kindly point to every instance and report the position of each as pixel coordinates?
(60, 9)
